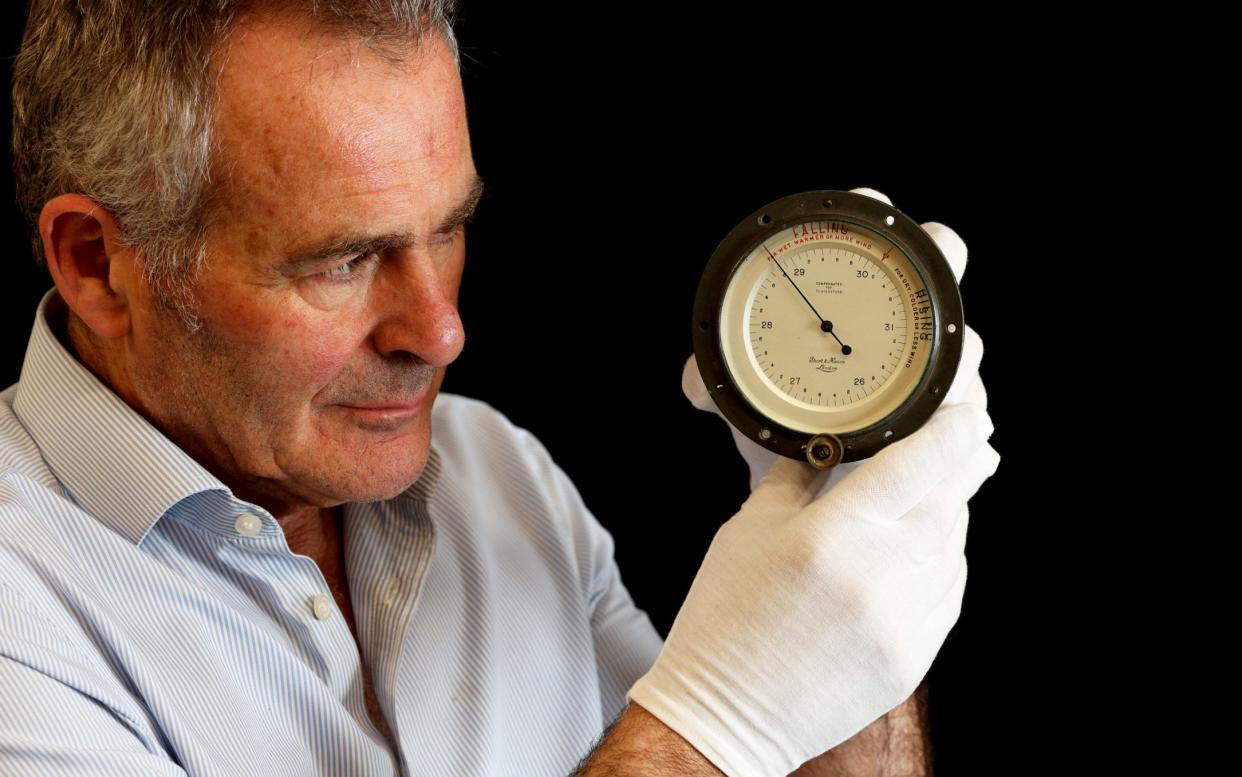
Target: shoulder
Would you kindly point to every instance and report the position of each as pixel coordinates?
(476, 437)
(511, 481)
(458, 409)
(48, 588)
(19, 455)
(28, 489)
(29, 492)
(49, 547)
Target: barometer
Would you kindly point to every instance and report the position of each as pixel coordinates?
(827, 325)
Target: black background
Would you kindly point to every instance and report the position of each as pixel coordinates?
(618, 149)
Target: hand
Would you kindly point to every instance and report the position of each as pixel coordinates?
(811, 616)
(967, 386)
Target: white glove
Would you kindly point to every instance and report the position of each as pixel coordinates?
(963, 389)
(818, 609)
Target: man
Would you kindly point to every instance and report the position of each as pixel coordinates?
(232, 544)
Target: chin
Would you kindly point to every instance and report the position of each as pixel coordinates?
(381, 487)
(370, 467)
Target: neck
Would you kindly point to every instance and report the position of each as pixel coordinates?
(104, 363)
(95, 356)
(316, 532)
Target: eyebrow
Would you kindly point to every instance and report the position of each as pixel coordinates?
(352, 243)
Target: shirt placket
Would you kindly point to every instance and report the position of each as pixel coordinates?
(389, 548)
(311, 606)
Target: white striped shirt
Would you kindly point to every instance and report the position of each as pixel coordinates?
(153, 624)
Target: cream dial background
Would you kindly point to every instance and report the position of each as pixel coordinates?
(795, 373)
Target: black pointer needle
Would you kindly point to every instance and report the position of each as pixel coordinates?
(825, 326)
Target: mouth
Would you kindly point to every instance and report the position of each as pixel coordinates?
(387, 415)
(393, 407)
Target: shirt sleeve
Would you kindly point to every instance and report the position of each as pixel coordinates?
(48, 729)
(60, 713)
(626, 642)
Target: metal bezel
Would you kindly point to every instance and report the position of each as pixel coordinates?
(943, 294)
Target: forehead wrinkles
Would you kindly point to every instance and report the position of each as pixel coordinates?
(302, 123)
(271, 134)
(394, 126)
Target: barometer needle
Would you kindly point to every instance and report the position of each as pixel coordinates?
(825, 326)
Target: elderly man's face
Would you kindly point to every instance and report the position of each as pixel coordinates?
(329, 301)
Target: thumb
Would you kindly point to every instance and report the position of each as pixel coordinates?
(787, 486)
(872, 193)
(950, 244)
(693, 387)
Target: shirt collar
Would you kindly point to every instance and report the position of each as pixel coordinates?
(112, 461)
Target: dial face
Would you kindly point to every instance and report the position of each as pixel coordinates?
(826, 326)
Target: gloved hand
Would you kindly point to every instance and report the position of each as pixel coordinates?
(813, 615)
(818, 609)
(967, 385)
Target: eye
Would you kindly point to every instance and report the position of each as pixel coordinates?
(345, 272)
(460, 229)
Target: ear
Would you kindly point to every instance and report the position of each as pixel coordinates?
(92, 270)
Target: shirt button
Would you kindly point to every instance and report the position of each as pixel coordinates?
(321, 606)
(248, 524)
(391, 589)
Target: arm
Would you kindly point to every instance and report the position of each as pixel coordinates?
(638, 744)
(49, 728)
(895, 745)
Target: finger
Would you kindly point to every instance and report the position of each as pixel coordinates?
(872, 193)
(944, 615)
(920, 621)
(967, 368)
(758, 458)
(950, 244)
(929, 626)
(838, 474)
(935, 578)
(900, 476)
(972, 392)
(958, 487)
(694, 389)
(930, 528)
(935, 526)
(956, 546)
(787, 486)
(930, 535)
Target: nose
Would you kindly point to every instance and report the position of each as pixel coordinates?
(415, 304)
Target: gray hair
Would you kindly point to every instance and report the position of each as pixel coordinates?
(113, 99)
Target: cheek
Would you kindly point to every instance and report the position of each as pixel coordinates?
(311, 356)
(298, 353)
